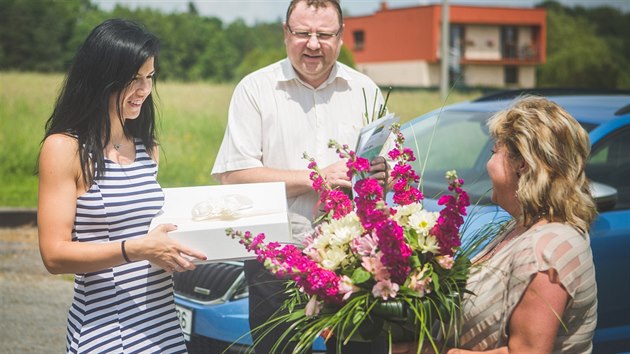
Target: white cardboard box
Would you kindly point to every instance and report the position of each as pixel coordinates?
(265, 211)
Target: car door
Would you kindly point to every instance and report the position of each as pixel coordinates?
(610, 233)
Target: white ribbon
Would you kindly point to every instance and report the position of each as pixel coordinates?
(225, 208)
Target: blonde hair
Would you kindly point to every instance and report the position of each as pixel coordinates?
(555, 148)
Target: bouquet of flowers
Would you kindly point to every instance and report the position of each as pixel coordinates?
(369, 268)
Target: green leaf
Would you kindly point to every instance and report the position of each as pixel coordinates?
(360, 275)
(436, 281)
(414, 261)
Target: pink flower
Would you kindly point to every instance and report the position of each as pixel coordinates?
(337, 202)
(419, 283)
(385, 289)
(374, 265)
(288, 261)
(445, 262)
(359, 164)
(446, 230)
(366, 245)
(395, 250)
(347, 288)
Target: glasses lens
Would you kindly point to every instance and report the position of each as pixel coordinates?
(325, 36)
(302, 35)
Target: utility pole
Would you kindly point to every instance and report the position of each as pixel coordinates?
(445, 52)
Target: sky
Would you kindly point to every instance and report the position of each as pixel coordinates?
(253, 11)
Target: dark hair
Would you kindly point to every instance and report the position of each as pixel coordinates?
(317, 4)
(105, 64)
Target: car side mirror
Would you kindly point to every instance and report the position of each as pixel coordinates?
(604, 195)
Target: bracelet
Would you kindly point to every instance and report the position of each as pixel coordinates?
(124, 253)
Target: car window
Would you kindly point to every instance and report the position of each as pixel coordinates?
(609, 164)
(452, 140)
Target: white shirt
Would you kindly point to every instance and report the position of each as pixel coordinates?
(274, 118)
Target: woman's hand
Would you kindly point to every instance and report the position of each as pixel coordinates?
(158, 248)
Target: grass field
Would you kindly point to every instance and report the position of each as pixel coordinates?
(192, 122)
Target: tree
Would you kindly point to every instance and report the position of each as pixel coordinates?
(35, 33)
(258, 58)
(576, 56)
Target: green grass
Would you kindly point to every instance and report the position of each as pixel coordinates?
(191, 126)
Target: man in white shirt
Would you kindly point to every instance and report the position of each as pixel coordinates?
(285, 109)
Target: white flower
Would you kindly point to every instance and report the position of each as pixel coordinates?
(320, 241)
(342, 231)
(428, 243)
(332, 257)
(405, 211)
(423, 221)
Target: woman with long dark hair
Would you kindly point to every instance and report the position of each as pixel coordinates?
(98, 193)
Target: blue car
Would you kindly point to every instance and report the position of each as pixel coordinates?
(212, 300)
(212, 306)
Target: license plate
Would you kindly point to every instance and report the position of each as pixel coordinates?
(185, 317)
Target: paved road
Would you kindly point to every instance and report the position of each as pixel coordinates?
(33, 303)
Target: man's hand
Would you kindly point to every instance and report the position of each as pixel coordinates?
(379, 170)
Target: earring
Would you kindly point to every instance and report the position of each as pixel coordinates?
(518, 174)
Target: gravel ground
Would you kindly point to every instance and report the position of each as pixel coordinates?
(34, 303)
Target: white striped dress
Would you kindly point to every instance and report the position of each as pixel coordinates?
(128, 308)
(500, 282)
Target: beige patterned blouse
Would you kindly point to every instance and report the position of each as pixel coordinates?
(500, 282)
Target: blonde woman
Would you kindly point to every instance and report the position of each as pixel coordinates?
(534, 287)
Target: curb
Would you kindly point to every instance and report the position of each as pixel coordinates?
(15, 217)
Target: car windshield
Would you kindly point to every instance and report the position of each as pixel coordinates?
(454, 140)
(459, 141)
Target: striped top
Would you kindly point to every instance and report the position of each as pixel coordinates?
(128, 308)
(500, 282)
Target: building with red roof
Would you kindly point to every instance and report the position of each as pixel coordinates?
(489, 46)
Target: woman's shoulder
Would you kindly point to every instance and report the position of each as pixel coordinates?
(554, 233)
(556, 246)
(59, 156)
(60, 143)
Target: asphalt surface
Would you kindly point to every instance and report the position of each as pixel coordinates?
(33, 303)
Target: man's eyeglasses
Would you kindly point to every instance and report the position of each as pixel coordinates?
(306, 35)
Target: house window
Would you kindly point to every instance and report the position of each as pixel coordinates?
(455, 49)
(511, 75)
(359, 39)
(509, 42)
